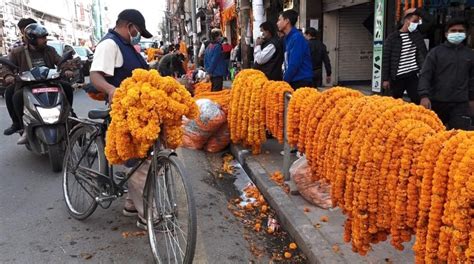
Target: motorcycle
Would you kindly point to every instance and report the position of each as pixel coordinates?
(46, 110)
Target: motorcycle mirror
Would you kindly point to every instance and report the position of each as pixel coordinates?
(66, 56)
(7, 62)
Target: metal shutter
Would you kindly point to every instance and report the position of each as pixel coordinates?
(355, 44)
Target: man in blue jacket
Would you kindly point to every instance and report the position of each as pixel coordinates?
(214, 62)
(298, 65)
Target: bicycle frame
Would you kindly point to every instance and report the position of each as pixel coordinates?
(100, 128)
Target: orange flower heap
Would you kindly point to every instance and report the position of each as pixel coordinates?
(142, 106)
(202, 87)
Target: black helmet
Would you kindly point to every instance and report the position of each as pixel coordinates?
(35, 31)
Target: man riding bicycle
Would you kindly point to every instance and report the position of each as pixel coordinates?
(114, 60)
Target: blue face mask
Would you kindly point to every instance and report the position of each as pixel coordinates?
(135, 40)
(456, 38)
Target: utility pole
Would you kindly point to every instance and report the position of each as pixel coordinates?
(194, 27)
(245, 40)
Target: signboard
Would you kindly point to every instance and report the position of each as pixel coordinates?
(379, 24)
(314, 23)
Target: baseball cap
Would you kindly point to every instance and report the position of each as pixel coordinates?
(134, 16)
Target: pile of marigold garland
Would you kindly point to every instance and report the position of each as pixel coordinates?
(393, 170)
(256, 105)
(144, 104)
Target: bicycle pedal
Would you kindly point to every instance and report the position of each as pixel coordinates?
(106, 198)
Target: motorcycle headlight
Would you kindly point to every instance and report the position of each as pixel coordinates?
(49, 115)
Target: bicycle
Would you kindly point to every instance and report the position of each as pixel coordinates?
(168, 202)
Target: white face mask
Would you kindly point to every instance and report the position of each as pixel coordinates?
(412, 27)
(456, 38)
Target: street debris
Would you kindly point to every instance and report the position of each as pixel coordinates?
(130, 234)
(262, 229)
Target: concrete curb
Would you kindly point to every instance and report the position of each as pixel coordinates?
(311, 241)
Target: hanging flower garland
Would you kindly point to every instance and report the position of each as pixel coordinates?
(307, 107)
(438, 197)
(425, 170)
(274, 93)
(295, 106)
(141, 105)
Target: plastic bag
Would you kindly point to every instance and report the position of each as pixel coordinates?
(315, 192)
(220, 140)
(211, 117)
(194, 137)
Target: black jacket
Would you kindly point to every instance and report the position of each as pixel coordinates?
(448, 74)
(319, 54)
(272, 68)
(170, 64)
(392, 51)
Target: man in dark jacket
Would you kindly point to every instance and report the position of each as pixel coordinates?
(447, 77)
(35, 53)
(172, 64)
(403, 56)
(319, 54)
(214, 62)
(10, 89)
(268, 52)
(298, 65)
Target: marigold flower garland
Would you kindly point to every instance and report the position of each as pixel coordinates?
(274, 107)
(307, 106)
(295, 106)
(438, 197)
(247, 113)
(143, 105)
(425, 170)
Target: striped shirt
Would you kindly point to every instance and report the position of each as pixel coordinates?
(407, 62)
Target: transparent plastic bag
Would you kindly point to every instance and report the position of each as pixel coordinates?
(211, 117)
(315, 192)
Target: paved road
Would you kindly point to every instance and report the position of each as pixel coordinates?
(35, 227)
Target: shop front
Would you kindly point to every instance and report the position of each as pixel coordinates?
(348, 37)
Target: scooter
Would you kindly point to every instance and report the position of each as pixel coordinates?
(46, 110)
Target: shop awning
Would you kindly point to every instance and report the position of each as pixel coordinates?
(331, 5)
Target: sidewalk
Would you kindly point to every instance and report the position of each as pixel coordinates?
(321, 245)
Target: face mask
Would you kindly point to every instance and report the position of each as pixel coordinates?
(412, 27)
(456, 38)
(135, 40)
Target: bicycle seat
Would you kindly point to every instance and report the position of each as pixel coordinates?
(99, 113)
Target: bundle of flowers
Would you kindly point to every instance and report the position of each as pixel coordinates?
(246, 116)
(143, 105)
(202, 87)
(275, 106)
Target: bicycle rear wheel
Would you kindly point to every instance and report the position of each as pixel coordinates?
(170, 212)
(80, 190)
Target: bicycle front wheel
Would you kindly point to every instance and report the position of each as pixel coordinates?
(170, 212)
